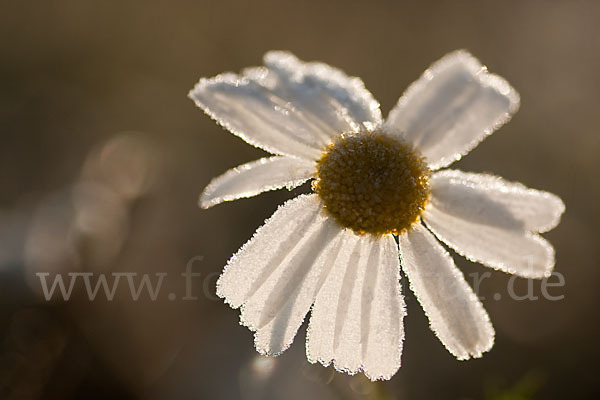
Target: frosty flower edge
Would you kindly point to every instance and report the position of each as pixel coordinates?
(333, 253)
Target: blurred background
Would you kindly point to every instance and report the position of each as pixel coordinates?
(103, 156)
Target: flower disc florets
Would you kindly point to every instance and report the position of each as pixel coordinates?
(372, 183)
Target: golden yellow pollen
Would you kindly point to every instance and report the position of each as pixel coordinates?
(372, 183)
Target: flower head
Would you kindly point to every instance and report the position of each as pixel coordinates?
(372, 183)
(380, 204)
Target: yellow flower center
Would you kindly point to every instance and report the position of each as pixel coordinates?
(373, 183)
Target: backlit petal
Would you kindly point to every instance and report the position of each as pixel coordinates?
(279, 306)
(356, 321)
(491, 200)
(253, 178)
(452, 107)
(252, 265)
(455, 313)
(289, 107)
(485, 229)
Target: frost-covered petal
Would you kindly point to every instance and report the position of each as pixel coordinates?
(326, 95)
(250, 267)
(455, 313)
(288, 107)
(496, 238)
(384, 311)
(279, 306)
(453, 106)
(491, 200)
(331, 311)
(356, 321)
(253, 178)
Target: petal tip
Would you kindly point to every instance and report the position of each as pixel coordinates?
(204, 204)
(205, 201)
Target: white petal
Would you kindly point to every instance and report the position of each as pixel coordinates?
(279, 306)
(288, 108)
(451, 108)
(494, 238)
(491, 200)
(326, 95)
(382, 348)
(455, 313)
(250, 267)
(253, 178)
(331, 309)
(356, 321)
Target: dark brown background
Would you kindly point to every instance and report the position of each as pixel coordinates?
(77, 77)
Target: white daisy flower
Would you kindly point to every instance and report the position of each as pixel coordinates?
(334, 252)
